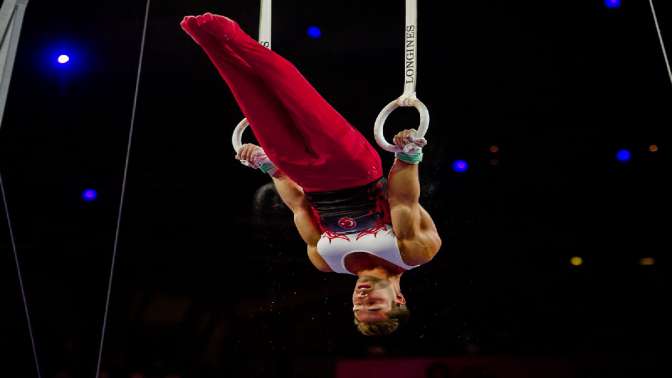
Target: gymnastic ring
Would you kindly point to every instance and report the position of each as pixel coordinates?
(237, 139)
(403, 101)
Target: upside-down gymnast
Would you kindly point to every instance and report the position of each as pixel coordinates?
(353, 220)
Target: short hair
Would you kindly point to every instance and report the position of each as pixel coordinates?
(395, 318)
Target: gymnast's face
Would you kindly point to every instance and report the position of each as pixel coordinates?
(373, 298)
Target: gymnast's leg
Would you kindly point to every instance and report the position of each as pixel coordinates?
(269, 121)
(335, 155)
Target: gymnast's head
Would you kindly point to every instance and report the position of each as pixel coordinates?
(379, 306)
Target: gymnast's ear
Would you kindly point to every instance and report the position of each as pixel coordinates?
(400, 299)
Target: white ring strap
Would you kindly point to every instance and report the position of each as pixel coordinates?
(411, 47)
(265, 23)
(408, 98)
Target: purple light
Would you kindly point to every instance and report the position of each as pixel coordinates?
(62, 59)
(460, 166)
(612, 4)
(89, 195)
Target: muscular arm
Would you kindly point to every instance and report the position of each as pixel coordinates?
(292, 195)
(416, 232)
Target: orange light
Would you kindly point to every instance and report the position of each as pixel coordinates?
(576, 261)
(494, 149)
(647, 261)
(653, 148)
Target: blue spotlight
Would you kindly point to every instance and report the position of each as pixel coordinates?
(63, 59)
(612, 4)
(623, 156)
(460, 166)
(314, 32)
(89, 195)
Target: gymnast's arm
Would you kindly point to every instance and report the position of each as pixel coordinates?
(292, 195)
(418, 239)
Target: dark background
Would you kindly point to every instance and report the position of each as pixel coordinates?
(210, 282)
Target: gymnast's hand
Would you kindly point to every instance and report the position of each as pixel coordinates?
(408, 140)
(254, 156)
(248, 151)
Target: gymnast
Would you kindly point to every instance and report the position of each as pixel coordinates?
(353, 220)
